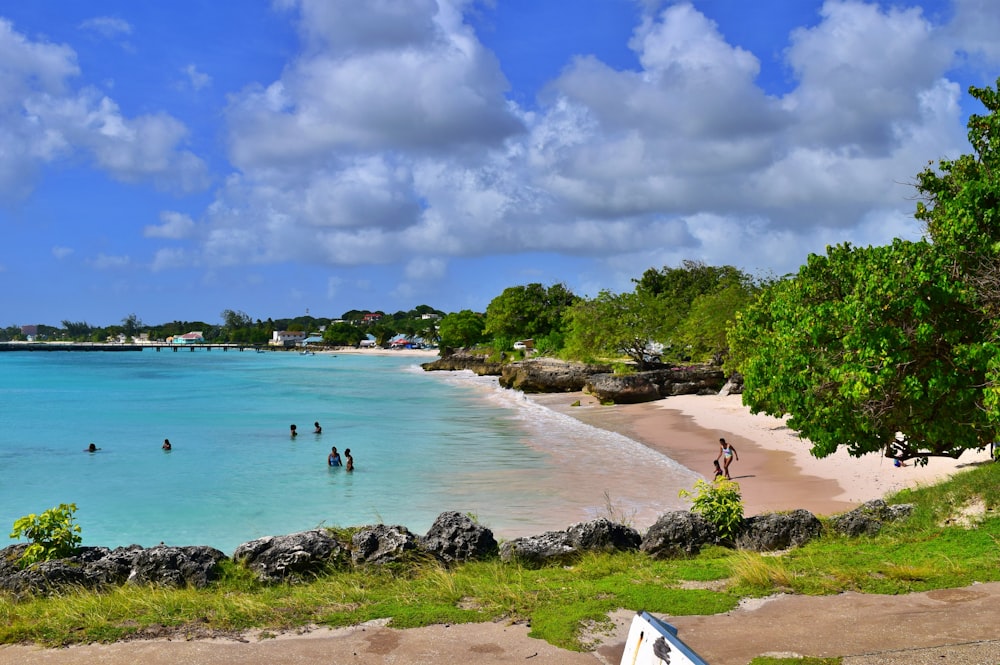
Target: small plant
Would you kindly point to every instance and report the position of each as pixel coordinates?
(616, 514)
(720, 503)
(53, 534)
(623, 369)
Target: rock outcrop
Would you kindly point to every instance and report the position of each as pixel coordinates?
(97, 567)
(293, 557)
(600, 535)
(456, 537)
(548, 375)
(656, 384)
(460, 360)
(382, 544)
(678, 533)
(778, 531)
(868, 518)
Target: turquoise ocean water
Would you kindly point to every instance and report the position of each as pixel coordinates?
(423, 443)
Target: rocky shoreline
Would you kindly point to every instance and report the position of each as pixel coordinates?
(453, 538)
(548, 375)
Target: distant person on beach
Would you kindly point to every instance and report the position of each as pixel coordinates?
(293, 431)
(726, 453)
(334, 458)
(318, 430)
(718, 469)
(91, 449)
(350, 460)
(166, 445)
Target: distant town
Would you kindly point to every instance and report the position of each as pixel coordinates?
(417, 328)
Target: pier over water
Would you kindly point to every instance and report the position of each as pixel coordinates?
(101, 346)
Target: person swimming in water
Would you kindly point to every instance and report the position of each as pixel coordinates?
(166, 445)
(318, 430)
(334, 458)
(294, 432)
(91, 449)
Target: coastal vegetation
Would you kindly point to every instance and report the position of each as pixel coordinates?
(948, 541)
(892, 349)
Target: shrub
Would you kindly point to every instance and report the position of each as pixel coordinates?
(720, 503)
(53, 534)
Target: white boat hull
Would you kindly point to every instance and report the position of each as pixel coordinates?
(655, 642)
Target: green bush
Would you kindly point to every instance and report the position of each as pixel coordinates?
(53, 534)
(720, 503)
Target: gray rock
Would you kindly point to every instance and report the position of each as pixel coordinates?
(603, 535)
(553, 547)
(778, 531)
(655, 384)
(868, 518)
(382, 544)
(292, 557)
(548, 375)
(456, 537)
(96, 567)
(548, 548)
(476, 363)
(623, 388)
(678, 533)
(194, 565)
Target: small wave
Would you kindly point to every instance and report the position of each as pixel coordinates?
(562, 435)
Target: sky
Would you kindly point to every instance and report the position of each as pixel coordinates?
(172, 160)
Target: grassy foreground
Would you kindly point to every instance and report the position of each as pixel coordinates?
(950, 541)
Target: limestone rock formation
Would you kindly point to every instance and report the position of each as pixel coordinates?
(678, 533)
(548, 375)
(291, 557)
(456, 537)
(778, 531)
(381, 544)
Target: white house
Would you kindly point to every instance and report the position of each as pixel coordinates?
(287, 338)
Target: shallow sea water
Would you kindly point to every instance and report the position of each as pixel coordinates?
(423, 443)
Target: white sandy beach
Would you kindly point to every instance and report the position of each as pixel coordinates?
(775, 470)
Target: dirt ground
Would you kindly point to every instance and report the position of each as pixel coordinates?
(953, 626)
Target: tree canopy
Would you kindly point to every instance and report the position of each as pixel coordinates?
(893, 348)
(529, 311)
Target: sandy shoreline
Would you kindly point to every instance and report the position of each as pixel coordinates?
(775, 470)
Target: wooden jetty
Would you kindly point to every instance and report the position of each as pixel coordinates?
(101, 346)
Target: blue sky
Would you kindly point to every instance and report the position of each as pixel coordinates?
(172, 160)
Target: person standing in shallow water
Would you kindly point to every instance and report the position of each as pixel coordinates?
(318, 430)
(334, 458)
(726, 453)
(293, 431)
(350, 460)
(166, 445)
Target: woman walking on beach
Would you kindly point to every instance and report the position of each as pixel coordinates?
(727, 453)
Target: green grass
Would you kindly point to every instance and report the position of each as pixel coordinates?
(930, 550)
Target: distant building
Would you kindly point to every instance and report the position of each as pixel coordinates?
(287, 338)
(371, 317)
(29, 330)
(194, 337)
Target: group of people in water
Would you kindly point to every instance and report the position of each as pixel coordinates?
(333, 459)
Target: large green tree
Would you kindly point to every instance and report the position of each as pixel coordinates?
(892, 348)
(461, 329)
(616, 324)
(529, 311)
(873, 349)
